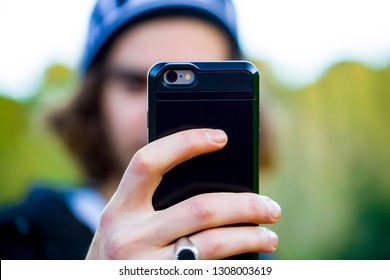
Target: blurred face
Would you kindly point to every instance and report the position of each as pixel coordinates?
(124, 98)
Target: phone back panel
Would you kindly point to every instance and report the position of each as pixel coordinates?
(225, 95)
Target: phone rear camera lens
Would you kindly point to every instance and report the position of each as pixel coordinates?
(171, 76)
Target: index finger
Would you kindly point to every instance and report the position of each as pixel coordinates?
(150, 163)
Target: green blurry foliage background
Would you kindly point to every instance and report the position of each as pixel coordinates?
(330, 141)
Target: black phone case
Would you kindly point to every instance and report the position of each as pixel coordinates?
(224, 95)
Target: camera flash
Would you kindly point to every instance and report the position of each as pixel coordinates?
(179, 76)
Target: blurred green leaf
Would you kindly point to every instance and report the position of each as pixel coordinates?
(28, 149)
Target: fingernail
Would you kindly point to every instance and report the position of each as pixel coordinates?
(216, 135)
(272, 237)
(274, 209)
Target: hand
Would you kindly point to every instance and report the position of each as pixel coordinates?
(131, 229)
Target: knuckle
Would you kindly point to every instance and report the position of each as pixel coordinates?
(186, 139)
(201, 208)
(210, 245)
(254, 208)
(188, 142)
(194, 141)
(114, 243)
(107, 218)
(115, 247)
(122, 244)
(141, 163)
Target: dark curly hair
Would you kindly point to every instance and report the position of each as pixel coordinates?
(80, 126)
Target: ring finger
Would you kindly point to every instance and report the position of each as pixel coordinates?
(220, 243)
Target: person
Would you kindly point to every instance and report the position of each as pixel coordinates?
(111, 216)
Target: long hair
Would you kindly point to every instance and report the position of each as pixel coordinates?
(81, 127)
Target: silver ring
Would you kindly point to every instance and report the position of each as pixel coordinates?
(185, 250)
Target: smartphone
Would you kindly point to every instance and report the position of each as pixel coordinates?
(218, 95)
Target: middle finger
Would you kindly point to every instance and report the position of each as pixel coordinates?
(214, 210)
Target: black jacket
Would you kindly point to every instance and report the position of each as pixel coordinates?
(42, 227)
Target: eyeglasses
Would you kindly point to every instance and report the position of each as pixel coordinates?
(132, 80)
